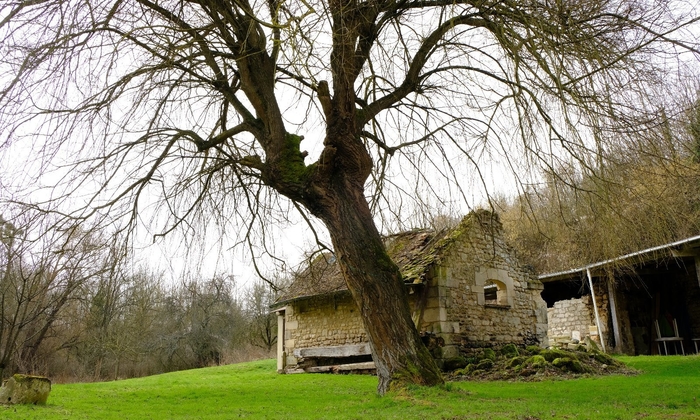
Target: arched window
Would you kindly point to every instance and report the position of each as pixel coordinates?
(494, 287)
(495, 292)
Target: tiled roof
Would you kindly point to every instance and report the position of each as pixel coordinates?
(415, 252)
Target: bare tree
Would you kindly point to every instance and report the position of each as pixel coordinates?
(44, 267)
(262, 324)
(202, 106)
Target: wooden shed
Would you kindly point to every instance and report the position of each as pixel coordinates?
(632, 304)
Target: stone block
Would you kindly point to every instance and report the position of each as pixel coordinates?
(25, 389)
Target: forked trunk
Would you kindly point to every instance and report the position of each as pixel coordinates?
(378, 290)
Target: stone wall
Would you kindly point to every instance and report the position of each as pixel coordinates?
(569, 319)
(467, 321)
(326, 321)
(567, 316)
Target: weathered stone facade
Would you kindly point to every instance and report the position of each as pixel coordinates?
(474, 294)
(322, 321)
(459, 310)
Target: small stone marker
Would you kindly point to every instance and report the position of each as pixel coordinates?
(25, 389)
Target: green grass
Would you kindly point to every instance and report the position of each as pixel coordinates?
(667, 388)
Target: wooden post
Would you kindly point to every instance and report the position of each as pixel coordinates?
(595, 309)
(281, 354)
(613, 314)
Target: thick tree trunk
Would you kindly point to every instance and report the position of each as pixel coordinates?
(377, 288)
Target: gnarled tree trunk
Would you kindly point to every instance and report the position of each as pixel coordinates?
(375, 283)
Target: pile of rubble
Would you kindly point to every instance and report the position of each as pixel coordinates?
(535, 363)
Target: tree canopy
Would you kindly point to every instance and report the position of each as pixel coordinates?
(231, 109)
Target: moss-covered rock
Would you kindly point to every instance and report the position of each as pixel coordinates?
(488, 354)
(509, 350)
(485, 364)
(533, 350)
(568, 364)
(454, 363)
(591, 345)
(466, 371)
(25, 389)
(581, 348)
(529, 367)
(602, 358)
(525, 372)
(517, 361)
(554, 353)
(536, 362)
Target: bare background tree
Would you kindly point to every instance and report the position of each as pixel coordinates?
(73, 306)
(262, 329)
(43, 269)
(102, 321)
(639, 197)
(183, 114)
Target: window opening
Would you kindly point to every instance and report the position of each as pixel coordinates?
(490, 293)
(495, 293)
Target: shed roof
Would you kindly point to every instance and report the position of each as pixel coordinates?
(415, 252)
(669, 250)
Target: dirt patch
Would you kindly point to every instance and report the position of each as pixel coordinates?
(536, 364)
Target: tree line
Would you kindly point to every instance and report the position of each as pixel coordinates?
(74, 309)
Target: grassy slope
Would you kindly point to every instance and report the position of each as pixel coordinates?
(668, 388)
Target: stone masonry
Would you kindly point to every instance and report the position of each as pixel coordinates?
(468, 322)
(325, 321)
(569, 320)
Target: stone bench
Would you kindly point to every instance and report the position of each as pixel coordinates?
(335, 359)
(334, 351)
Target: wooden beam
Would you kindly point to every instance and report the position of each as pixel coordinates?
(595, 309)
(334, 351)
(613, 315)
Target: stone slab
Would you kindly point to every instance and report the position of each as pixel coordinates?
(334, 351)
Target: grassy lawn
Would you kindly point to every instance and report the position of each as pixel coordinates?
(667, 388)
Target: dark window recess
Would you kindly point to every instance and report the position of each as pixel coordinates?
(491, 293)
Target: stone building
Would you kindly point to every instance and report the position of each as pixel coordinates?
(466, 288)
(620, 302)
